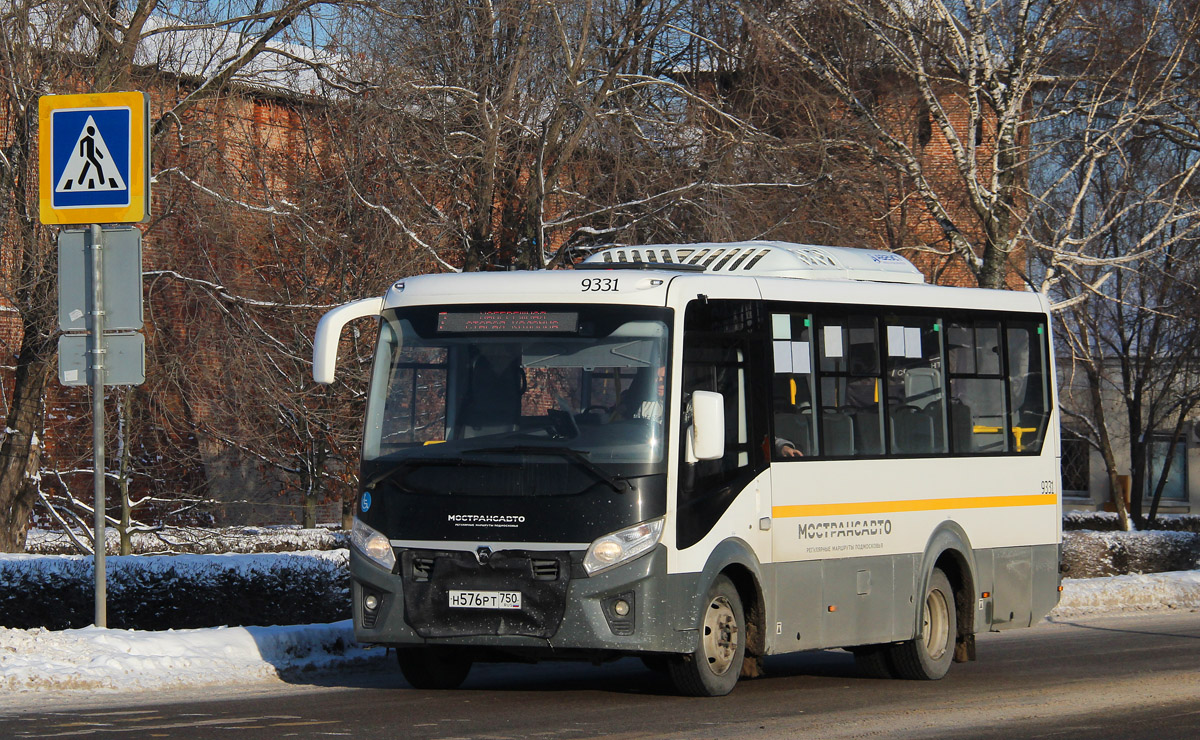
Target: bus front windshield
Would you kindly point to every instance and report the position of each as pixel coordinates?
(527, 401)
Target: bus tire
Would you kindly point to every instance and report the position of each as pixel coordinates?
(927, 656)
(433, 668)
(714, 667)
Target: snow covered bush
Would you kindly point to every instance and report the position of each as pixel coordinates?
(176, 592)
(1096, 554)
(200, 540)
(1106, 521)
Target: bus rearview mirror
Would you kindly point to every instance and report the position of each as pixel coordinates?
(708, 425)
(329, 334)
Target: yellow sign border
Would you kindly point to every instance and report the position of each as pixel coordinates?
(138, 209)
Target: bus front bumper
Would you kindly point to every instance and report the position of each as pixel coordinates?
(594, 619)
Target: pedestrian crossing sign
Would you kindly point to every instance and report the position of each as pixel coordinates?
(94, 158)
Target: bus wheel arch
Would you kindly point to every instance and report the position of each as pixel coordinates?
(949, 551)
(954, 565)
(713, 668)
(754, 610)
(733, 562)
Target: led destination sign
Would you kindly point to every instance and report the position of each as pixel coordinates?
(509, 321)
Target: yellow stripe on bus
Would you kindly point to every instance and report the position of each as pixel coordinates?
(928, 504)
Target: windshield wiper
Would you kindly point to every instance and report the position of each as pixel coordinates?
(617, 483)
(407, 462)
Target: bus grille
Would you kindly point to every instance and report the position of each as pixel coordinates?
(429, 577)
(544, 570)
(422, 568)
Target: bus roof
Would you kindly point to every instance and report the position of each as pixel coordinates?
(644, 274)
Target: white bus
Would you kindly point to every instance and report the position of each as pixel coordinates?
(701, 455)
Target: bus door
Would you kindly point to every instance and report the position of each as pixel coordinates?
(724, 352)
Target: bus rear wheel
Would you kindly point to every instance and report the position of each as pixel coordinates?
(433, 668)
(714, 667)
(927, 656)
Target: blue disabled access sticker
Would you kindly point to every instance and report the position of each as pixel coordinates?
(366, 501)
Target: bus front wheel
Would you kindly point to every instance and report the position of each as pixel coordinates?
(433, 668)
(928, 656)
(714, 667)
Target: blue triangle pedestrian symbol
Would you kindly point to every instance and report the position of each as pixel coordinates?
(91, 168)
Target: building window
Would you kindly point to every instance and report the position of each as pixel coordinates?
(1075, 471)
(1176, 488)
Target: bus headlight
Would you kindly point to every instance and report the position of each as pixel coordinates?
(622, 546)
(373, 544)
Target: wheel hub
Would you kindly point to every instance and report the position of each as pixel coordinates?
(935, 625)
(721, 635)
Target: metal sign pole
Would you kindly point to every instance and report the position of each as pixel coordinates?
(96, 251)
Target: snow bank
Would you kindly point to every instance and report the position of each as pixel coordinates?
(93, 658)
(1140, 592)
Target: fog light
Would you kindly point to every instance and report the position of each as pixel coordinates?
(620, 611)
(371, 602)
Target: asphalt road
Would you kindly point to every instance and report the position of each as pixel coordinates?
(1113, 677)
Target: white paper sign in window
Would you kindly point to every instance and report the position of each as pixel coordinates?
(912, 342)
(833, 342)
(801, 361)
(781, 326)
(895, 340)
(783, 356)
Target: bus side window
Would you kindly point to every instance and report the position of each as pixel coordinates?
(792, 386)
(1028, 395)
(978, 415)
(851, 387)
(916, 403)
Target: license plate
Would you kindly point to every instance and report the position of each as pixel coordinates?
(485, 599)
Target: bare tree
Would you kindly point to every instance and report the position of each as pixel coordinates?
(1054, 114)
(518, 132)
(311, 246)
(46, 46)
(1001, 89)
(1119, 220)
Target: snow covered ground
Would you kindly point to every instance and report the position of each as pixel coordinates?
(111, 661)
